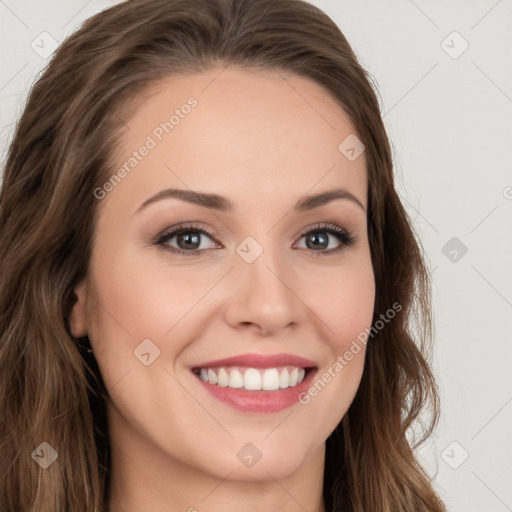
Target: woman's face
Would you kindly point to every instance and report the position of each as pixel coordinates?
(256, 285)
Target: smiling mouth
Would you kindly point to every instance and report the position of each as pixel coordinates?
(253, 379)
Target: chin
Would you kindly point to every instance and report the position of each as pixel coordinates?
(260, 461)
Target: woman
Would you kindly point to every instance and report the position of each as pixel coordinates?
(208, 277)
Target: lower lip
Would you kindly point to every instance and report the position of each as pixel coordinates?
(259, 401)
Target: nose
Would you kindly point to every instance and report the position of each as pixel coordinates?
(262, 297)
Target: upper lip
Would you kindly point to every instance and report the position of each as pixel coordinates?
(259, 361)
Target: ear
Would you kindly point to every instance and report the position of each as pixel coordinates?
(78, 316)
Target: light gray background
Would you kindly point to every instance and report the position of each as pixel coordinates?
(449, 118)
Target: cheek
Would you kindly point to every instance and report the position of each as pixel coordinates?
(346, 304)
(352, 310)
(135, 299)
(343, 297)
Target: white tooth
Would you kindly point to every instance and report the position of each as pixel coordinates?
(222, 378)
(293, 376)
(203, 374)
(300, 378)
(212, 377)
(270, 379)
(284, 379)
(236, 379)
(252, 379)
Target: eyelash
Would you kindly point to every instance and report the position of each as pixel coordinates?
(342, 234)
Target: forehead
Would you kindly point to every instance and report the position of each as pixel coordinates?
(251, 133)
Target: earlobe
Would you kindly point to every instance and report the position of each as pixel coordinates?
(78, 316)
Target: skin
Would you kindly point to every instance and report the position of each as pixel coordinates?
(263, 140)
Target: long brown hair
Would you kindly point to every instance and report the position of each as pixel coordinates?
(51, 390)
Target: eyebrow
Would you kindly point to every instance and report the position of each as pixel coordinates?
(223, 204)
